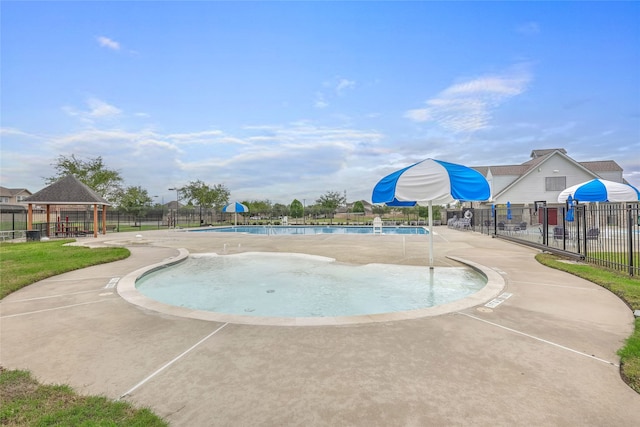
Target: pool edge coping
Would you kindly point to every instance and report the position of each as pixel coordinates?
(126, 288)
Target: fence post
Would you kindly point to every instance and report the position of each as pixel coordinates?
(630, 238)
(545, 226)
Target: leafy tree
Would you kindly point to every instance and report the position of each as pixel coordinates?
(205, 196)
(259, 207)
(279, 210)
(135, 201)
(330, 201)
(92, 172)
(296, 209)
(358, 207)
(220, 196)
(380, 209)
(436, 212)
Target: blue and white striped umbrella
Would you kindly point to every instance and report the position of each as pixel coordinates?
(235, 207)
(600, 190)
(431, 181)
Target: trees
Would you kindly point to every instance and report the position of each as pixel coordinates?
(261, 208)
(205, 196)
(358, 207)
(279, 210)
(380, 209)
(135, 201)
(296, 209)
(330, 201)
(92, 172)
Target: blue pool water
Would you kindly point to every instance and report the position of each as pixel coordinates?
(291, 230)
(297, 285)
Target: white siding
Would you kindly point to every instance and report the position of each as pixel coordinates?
(532, 186)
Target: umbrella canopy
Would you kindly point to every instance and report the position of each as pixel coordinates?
(397, 203)
(235, 207)
(600, 190)
(570, 214)
(509, 210)
(431, 181)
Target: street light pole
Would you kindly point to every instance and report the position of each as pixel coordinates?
(177, 190)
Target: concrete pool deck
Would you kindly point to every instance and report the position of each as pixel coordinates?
(544, 356)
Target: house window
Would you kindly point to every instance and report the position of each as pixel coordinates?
(4, 199)
(20, 198)
(555, 183)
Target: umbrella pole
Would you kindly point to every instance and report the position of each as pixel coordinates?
(430, 234)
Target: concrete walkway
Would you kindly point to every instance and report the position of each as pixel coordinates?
(544, 356)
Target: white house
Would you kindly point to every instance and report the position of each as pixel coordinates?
(543, 177)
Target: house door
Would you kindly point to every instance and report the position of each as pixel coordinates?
(552, 216)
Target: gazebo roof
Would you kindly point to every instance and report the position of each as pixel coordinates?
(67, 191)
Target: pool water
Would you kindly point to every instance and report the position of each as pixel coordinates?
(297, 285)
(291, 230)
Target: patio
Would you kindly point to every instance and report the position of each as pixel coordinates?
(543, 354)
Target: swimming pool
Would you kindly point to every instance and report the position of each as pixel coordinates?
(310, 229)
(278, 285)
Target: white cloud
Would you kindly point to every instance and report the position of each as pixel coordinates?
(344, 84)
(97, 109)
(320, 101)
(334, 88)
(467, 106)
(100, 108)
(108, 43)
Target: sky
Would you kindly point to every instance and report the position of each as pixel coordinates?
(290, 100)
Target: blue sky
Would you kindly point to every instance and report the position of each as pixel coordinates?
(284, 100)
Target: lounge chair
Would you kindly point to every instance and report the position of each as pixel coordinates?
(593, 233)
(560, 233)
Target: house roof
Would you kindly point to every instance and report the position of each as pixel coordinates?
(602, 166)
(538, 159)
(539, 156)
(67, 191)
(12, 208)
(546, 151)
(10, 192)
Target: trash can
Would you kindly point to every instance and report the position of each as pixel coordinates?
(33, 235)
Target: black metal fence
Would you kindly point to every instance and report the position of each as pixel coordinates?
(606, 234)
(79, 222)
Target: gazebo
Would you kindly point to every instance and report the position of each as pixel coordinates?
(68, 191)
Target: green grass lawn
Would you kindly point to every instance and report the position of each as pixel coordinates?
(22, 264)
(26, 402)
(625, 287)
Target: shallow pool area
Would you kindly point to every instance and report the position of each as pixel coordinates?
(299, 285)
(312, 229)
